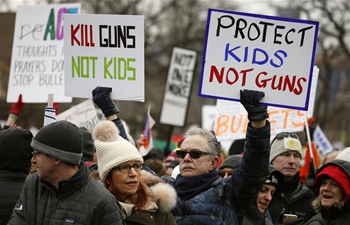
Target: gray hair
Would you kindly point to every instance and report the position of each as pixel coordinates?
(212, 143)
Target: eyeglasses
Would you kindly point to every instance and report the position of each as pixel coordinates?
(222, 173)
(194, 154)
(126, 168)
(35, 154)
(282, 135)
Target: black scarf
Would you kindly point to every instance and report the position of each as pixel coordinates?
(188, 187)
(290, 186)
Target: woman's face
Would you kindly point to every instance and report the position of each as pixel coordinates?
(125, 183)
(265, 197)
(330, 193)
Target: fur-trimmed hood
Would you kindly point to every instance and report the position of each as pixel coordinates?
(162, 196)
(160, 193)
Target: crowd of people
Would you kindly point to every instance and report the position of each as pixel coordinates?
(67, 175)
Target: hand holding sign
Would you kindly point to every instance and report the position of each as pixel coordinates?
(250, 100)
(104, 102)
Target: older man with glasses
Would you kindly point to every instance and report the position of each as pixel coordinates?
(285, 155)
(203, 196)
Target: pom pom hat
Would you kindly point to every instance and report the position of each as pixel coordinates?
(112, 150)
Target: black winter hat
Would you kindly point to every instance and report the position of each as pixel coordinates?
(275, 178)
(61, 140)
(88, 145)
(15, 150)
(231, 162)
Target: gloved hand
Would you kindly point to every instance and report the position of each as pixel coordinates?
(103, 101)
(17, 107)
(312, 127)
(250, 100)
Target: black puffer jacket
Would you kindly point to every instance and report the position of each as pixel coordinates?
(334, 216)
(79, 200)
(11, 184)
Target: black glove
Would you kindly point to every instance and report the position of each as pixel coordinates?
(250, 101)
(104, 102)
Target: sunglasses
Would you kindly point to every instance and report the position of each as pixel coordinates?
(222, 173)
(283, 135)
(194, 154)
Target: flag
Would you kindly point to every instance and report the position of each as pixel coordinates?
(147, 133)
(50, 115)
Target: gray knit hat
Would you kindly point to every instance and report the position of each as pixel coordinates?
(61, 140)
(279, 146)
(112, 150)
(88, 145)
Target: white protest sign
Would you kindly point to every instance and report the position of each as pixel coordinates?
(257, 52)
(37, 53)
(82, 115)
(231, 117)
(208, 116)
(321, 141)
(178, 87)
(106, 51)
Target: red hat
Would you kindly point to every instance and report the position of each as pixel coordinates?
(336, 173)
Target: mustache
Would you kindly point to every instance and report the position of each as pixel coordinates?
(187, 165)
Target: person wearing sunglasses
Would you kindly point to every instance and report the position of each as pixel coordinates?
(203, 196)
(285, 155)
(143, 197)
(229, 165)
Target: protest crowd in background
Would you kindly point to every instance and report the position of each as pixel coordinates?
(278, 169)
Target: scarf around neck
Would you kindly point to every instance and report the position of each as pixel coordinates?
(188, 187)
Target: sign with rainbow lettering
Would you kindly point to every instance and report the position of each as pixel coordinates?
(37, 65)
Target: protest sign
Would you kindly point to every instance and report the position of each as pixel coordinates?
(178, 87)
(321, 141)
(82, 115)
(106, 51)
(37, 53)
(231, 117)
(257, 52)
(208, 116)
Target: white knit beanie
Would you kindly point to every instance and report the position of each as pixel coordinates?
(284, 145)
(112, 150)
(344, 155)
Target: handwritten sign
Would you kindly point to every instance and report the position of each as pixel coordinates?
(82, 115)
(107, 51)
(178, 87)
(321, 141)
(37, 54)
(256, 52)
(231, 117)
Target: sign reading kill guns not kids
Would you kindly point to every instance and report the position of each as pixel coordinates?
(37, 64)
(106, 51)
(256, 52)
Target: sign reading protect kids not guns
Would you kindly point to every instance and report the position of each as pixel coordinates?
(106, 51)
(37, 64)
(256, 52)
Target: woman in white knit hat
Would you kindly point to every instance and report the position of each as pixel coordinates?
(144, 198)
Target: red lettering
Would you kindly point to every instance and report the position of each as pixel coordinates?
(300, 90)
(73, 32)
(214, 71)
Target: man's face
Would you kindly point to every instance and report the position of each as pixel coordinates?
(193, 167)
(44, 165)
(288, 163)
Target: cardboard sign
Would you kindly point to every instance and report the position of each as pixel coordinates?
(106, 51)
(37, 53)
(82, 115)
(256, 52)
(178, 87)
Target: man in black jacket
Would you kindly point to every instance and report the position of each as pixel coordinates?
(15, 155)
(285, 155)
(61, 191)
